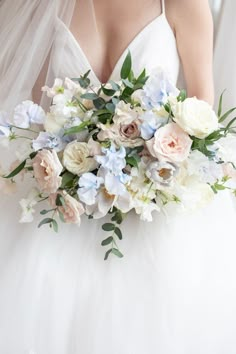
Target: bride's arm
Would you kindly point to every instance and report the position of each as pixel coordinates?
(193, 26)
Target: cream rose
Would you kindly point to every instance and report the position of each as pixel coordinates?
(71, 210)
(170, 143)
(195, 117)
(47, 169)
(77, 158)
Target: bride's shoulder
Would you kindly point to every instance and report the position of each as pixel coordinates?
(183, 13)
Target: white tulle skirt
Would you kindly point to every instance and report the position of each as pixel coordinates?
(174, 292)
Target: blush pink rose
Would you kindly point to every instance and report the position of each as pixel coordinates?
(170, 143)
(47, 169)
(71, 210)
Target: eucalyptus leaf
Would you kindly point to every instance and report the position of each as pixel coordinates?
(90, 96)
(55, 225)
(60, 201)
(45, 221)
(108, 227)
(108, 92)
(107, 241)
(114, 85)
(107, 254)
(111, 107)
(118, 232)
(117, 253)
(99, 103)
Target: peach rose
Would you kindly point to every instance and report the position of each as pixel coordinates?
(47, 170)
(170, 143)
(71, 210)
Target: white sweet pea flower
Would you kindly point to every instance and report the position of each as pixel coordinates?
(116, 184)
(113, 160)
(27, 206)
(157, 90)
(97, 192)
(47, 140)
(150, 123)
(58, 87)
(28, 113)
(89, 185)
(5, 129)
(145, 208)
(207, 170)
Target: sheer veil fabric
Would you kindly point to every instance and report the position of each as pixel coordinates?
(27, 32)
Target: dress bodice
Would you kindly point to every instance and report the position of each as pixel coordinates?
(153, 46)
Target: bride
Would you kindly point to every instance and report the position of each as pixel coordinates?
(174, 291)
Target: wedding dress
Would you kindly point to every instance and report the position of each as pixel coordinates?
(172, 293)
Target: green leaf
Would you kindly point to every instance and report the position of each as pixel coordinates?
(54, 225)
(45, 221)
(230, 124)
(182, 95)
(67, 179)
(126, 67)
(17, 170)
(114, 85)
(110, 107)
(142, 77)
(107, 241)
(225, 116)
(108, 227)
(127, 83)
(78, 128)
(108, 92)
(220, 104)
(107, 254)
(44, 212)
(132, 160)
(118, 232)
(115, 100)
(99, 103)
(117, 253)
(60, 201)
(117, 217)
(33, 154)
(90, 96)
(61, 216)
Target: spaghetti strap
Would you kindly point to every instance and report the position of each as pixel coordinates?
(163, 6)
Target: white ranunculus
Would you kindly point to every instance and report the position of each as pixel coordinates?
(77, 158)
(195, 117)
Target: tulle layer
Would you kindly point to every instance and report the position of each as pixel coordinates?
(173, 292)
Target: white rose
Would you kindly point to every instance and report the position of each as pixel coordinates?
(77, 158)
(196, 117)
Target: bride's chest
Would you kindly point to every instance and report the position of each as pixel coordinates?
(153, 46)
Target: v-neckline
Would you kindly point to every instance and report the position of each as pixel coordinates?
(131, 43)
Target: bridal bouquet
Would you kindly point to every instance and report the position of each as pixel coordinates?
(138, 144)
